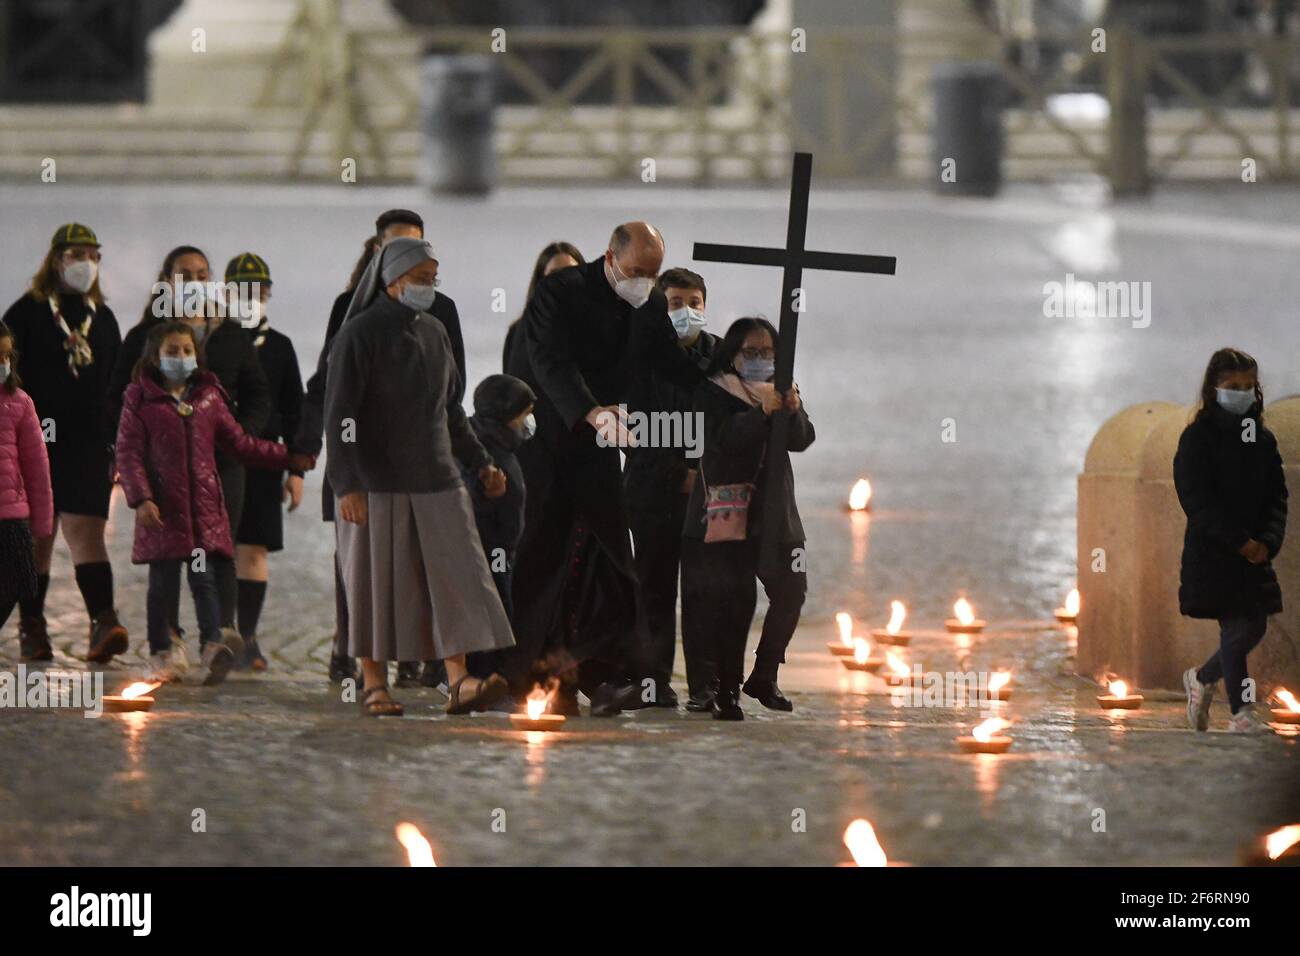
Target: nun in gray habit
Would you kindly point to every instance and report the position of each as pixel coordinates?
(417, 582)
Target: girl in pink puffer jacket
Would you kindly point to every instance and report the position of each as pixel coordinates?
(174, 418)
(26, 502)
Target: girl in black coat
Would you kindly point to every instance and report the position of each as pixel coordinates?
(1229, 479)
(718, 578)
(68, 340)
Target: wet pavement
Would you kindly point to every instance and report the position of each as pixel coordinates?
(286, 772)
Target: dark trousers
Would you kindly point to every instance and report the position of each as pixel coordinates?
(164, 598)
(1237, 638)
(232, 476)
(719, 595)
(657, 539)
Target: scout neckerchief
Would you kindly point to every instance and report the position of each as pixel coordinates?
(76, 344)
(259, 333)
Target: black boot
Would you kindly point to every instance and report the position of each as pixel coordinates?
(34, 641)
(408, 674)
(433, 674)
(612, 697)
(768, 694)
(342, 668)
(108, 638)
(726, 704)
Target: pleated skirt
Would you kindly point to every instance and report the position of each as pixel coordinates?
(417, 582)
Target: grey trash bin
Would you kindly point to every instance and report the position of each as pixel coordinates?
(968, 100)
(457, 100)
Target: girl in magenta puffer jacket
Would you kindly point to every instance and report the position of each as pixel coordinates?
(174, 418)
(26, 502)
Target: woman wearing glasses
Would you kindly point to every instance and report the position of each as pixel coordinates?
(724, 519)
(67, 340)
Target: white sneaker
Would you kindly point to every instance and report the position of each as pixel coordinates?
(1199, 697)
(162, 668)
(1248, 721)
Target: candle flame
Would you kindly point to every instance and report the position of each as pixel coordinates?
(998, 680)
(896, 664)
(1279, 841)
(1072, 603)
(897, 615)
(536, 702)
(844, 621)
(963, 612)
(861, 650)
(860, 496)
(860, 838)
(418, 850)
(1288, 698)
(138, 689)
(1118, 688)
(983, 732)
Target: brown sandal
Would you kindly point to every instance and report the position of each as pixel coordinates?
(371, 707)
(491, 691)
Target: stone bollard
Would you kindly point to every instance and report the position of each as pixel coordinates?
(1108, 520)
(1130, 623)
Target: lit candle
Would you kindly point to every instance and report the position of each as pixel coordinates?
(418, 850)
(860, 496)
(844, 621)
(134, 698)
(985, 739)
(1290, 713)
(899, 673)
(893, 633)
(963, 620)
(1279, 848)
(862, 659)
(999, 687)
(860, 838)
(536, 717)
(1070, 613)
(1119, 698)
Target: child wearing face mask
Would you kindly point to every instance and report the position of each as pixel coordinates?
(502, 420)
(174, 419)
(26, 503)
(726, 519)
(1230, 482)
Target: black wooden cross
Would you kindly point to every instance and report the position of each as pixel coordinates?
(793, 259)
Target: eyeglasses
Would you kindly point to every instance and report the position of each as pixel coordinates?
(758, 353)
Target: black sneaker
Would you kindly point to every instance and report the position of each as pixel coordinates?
(433, 674)
(342, 668)
(408, 674)
(34, 641)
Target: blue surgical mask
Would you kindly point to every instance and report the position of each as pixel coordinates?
(417, 297)
(1239, 402)
(757, 370)
(528, 427)
(4, 372)
(686, 321)
(177, 368)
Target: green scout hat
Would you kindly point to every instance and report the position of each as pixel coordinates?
(248, 267)
(74, 234)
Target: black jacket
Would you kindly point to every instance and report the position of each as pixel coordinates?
(80, 406)
(652, 477)
(279, 363)
(1232, 491)
(228, 354)
(500, 520)
(735, 441)
(308, 438)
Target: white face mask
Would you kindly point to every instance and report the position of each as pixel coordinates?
(417, 297)
(1239, 402)
(634, 292)
(686, 321)
(80, 275)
